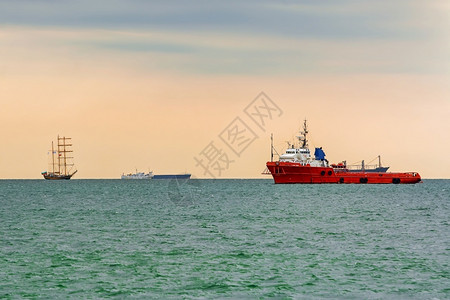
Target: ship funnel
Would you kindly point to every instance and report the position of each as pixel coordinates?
(319, 154)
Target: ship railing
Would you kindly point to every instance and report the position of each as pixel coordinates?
(266, 172)
(359, 167)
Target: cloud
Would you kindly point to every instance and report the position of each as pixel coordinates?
(250, 37)
(346, 19)
(207, 52)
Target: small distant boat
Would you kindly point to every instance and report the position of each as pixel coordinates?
(61, 165)
(138, 175)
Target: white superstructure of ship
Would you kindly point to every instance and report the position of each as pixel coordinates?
(138, 175)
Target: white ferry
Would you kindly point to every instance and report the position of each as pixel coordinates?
(138, 175)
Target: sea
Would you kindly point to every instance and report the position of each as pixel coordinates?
(223, 239)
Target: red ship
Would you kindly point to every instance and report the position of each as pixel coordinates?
(297, 165)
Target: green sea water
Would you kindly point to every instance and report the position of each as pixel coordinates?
(223, 239)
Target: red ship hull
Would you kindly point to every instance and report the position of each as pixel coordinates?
(291, 172)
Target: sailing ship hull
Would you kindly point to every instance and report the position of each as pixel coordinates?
(57, 177)
(292, 172)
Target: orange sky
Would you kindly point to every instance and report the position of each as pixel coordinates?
(120, 121)
(157, 110)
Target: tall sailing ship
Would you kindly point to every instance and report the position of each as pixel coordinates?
(61, 163)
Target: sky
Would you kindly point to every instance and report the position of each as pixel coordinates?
(199, 86)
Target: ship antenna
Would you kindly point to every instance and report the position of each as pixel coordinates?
(65, 162)
(59, 157)
(305, 132)
(53, 159)
(271, 147)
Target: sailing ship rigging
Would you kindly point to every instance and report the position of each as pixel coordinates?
(61, 165)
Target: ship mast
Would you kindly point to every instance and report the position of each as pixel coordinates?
(59, 158)
(305, 132)
(60, 163)
(53, 159)
(62, 151)
(302, 136)
(271, 147)
(65, 165)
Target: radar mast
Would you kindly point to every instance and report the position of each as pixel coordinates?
(302, 137)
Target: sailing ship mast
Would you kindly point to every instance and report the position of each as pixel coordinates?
(62, 154)
(62, 150)
(53, 159)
